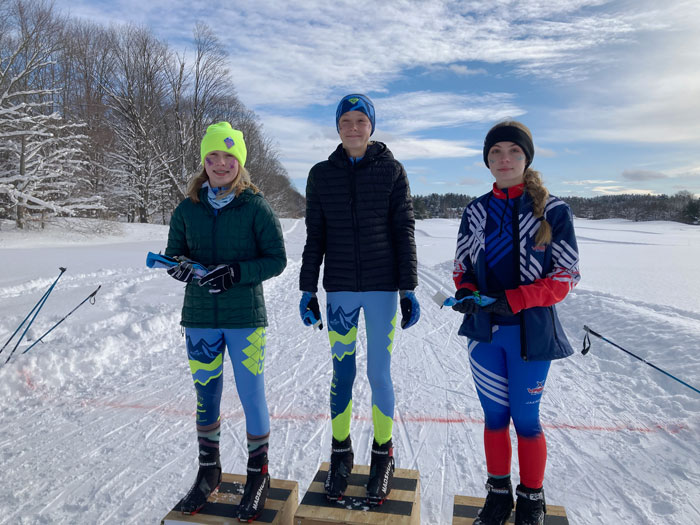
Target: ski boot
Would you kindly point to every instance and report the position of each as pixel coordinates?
(381, 473)
(339, 471)
(531, 507)
(499, 502)
(257, 485)
(208, 480)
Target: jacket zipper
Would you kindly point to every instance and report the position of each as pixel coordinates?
(355, 225)
(505, 209)
(516, 262)
(554, 325)
(216, 258)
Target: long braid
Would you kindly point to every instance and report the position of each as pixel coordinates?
(539, 195)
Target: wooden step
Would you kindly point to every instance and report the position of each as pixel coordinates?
(222, 505)
(466, 509)
(401, 507)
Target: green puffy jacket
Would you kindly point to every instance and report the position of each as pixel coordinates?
(247, 232)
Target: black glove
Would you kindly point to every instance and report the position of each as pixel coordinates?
(468, 306)
(221, 278)
(182, 272)
(500, 306)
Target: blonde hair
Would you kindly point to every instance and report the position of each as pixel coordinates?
(240, 183)
(535, 188)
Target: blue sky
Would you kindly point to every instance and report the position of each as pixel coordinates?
(610, 89)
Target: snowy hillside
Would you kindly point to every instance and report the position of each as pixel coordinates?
(97, 422)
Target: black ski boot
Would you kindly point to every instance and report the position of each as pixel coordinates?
(531, 507)
(208, 480)
(257, 485)
(381, 473)
(499, 502)
(339, 471)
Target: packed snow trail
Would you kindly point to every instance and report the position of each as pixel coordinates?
(98, 420)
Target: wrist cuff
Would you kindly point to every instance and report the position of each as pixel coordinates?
(515, 299)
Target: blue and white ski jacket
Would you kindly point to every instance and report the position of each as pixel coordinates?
(496, 251)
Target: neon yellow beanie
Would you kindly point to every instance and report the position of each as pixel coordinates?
(222, 137)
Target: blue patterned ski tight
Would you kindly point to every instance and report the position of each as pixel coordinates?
(343, 314)
(246, 348)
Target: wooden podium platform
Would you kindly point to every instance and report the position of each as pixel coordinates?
(222, 506)
(402, 506)
(466, 509)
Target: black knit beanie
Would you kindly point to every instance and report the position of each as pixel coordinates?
(509, 134)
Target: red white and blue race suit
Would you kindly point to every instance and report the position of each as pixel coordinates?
(510, 355)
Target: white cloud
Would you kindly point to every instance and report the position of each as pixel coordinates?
(649, 94)
(470, 181)
(463, 70)
(432, 182)
(619, 190)
(407, 148)
(304, 52)
(587, 182)
(420, 110)
(545, 152)
(626, 69)
(687, 171)
(302, 143)
(641, 175)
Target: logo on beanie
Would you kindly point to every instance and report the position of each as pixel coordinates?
(353, 100)
(229, 142)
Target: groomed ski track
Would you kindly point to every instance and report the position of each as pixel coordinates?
(98, 421)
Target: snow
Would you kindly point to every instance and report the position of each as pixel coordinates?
(97, 421)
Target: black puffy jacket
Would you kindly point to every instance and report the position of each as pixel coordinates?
(360, 217)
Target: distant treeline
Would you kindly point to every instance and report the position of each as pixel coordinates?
(681, 207)
(449, 205)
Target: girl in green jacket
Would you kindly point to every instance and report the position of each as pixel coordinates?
(226, 225)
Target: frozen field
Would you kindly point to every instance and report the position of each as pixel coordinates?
(98, 420)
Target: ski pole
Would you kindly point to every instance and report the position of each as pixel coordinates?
(90, 298)
(39, 304)
(587, 347)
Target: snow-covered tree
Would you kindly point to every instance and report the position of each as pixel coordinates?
(41, 154)
(87, 64)
(138, 99)
(92, 115)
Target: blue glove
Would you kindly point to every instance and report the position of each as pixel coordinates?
(309, 310)
(410, 309)
(221, 278)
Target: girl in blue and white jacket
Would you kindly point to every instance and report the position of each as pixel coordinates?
(515, 244)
